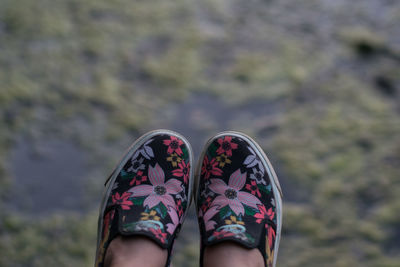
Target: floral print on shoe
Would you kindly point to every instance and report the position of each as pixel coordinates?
(148, 193)
(237, 200)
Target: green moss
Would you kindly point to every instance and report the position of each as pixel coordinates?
(61, 240)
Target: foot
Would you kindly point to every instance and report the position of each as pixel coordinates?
(238, 198)
(147, 194)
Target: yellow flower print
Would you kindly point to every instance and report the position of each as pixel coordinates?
(270, 253)
(174, 159)
(223, 159)
(233, 221)
(101, 254)
(150, 216)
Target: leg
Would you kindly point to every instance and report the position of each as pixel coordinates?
(135, 252)
(233, 255)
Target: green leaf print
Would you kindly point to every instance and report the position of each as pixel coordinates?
(162, 210)
(224, 212)
(185, 155)
(138, 201)
(249, 211)
(127, 175)
(212, 150)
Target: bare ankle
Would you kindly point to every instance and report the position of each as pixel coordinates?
(233, 255)
(134, 251)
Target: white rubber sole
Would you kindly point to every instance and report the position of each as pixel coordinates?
(128, 154)
(276, 188)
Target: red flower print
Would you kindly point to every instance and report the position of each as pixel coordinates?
(122, 200)
(206, 204)
(226, 145)
(158, 234)
(210, 167)
(183, 171)
(106, 222)
(253, 188)
(264, 214)
(138, 179)
(174, 145)
(271, 235)
(179, 207)
(222, 234)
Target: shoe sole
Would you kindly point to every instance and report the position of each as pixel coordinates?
(128, 154)
(276, 187)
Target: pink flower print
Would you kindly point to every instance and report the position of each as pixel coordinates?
(210, 167)
(264, 214)
(158, 191)
(122, 200)
(158, 234)
(211, 212)
(138, 179)
(226, 145)
(182, 171)
(174, 145)
(231, 195)
(175, 220)
(253, 188)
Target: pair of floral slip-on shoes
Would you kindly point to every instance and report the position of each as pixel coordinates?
(236, 192)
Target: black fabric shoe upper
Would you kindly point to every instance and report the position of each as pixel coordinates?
(149, 196)
(235, 200)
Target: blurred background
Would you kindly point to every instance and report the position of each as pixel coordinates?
(315, 82)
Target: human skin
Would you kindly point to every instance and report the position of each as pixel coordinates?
(141, 251)
(135, 251)
(232, 255)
